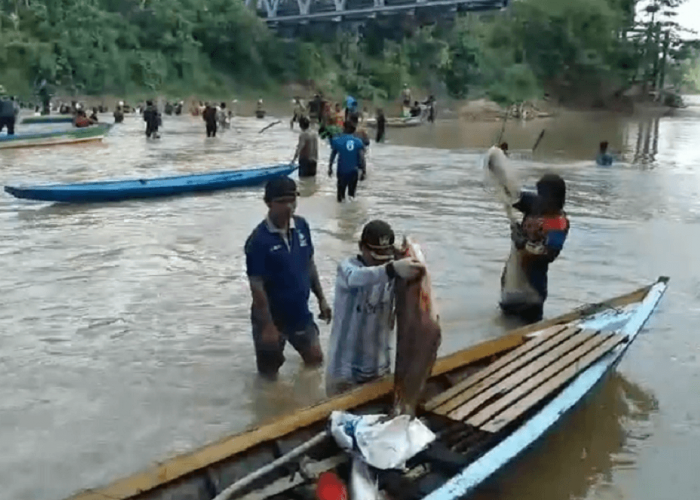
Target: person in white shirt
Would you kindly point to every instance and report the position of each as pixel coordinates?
(359, 350)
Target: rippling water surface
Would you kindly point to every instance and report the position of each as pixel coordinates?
(124, 336)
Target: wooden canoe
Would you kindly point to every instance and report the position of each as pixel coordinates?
(397, 122)
(47, 119)
(487, 404)
(53, 137)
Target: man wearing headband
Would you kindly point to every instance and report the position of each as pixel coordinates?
(282, 273)
(364, 310)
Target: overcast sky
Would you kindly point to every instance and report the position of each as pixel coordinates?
(689, 16)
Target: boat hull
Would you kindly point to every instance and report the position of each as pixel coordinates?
(397, 122)
(47, 119)
(52, 138)
(109, 191)
(205, 473)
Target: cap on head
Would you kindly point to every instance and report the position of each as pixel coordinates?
(377, 235)
(280, 187)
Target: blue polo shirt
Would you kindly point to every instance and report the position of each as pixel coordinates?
(348, 148)
(284, 267)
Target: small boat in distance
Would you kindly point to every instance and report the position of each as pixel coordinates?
(54, 137)
(415, 121)
(486, 405)
(30, 120)
(95, 192)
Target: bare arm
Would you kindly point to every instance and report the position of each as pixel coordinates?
(298, 150)
(261, 308)
(316, 282)
(330, 162)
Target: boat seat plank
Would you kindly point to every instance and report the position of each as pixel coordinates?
(512, 375)
(520, 376)
(555, 383)
(599, 346)
(462, 385)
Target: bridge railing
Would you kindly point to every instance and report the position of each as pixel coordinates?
(277, 11)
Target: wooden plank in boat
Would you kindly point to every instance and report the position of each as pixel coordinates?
(520, 376)
(163, 473)
(599, 344)
(552, 385)
(492, 368)
(503, 370)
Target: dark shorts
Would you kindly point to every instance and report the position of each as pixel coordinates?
(307, 168)
(270, 358)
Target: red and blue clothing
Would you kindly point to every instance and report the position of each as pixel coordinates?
(284, 265)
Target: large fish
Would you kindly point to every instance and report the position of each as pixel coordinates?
(417, 336)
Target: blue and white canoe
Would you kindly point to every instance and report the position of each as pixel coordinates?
(71, 135)
(487, 404)
(96, 192)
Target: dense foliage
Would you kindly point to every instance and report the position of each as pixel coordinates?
(570, 49)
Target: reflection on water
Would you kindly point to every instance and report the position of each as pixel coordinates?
(124, 331)
(599, 436)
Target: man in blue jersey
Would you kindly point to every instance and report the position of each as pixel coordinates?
(282, 273)
(350, 151)
(364, 310)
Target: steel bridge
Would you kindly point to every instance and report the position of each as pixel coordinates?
(305, 11)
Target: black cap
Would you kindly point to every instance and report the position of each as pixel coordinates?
(377, 234)
(280, 187)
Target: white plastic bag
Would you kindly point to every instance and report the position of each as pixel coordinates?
(381, 442)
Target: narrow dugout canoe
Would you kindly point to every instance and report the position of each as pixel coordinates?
(47, 119)
(487, 404)
(53, 137)
(95, 192)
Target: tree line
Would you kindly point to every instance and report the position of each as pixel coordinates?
(592, 48)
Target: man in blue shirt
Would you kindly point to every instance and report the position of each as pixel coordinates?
(282, 273)
(350, 151)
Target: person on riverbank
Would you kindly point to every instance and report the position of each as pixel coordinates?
(7, 113)
(538, 241)
(359, 344)
(151, 116)
(351, 161)
(282, 274)
(381, 125)
(604, 159)
(209, 117)
(406, 97)
(307, 149)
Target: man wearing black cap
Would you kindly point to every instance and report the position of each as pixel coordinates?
(282, 273)
(364, 309)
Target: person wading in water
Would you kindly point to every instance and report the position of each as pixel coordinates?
(152, 118)
(282, 273)
(359, 345)
(209, 117)
(307, 149)
(351, 160)
(538, 240)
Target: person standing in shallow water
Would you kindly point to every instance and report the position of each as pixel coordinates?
(604, 159)
(538, 241)
(282, 273)
(209, 117)
(381, 125)
(351, 160)
(152, 118)
(307, 149)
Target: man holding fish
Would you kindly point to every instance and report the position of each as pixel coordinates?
(365, 306)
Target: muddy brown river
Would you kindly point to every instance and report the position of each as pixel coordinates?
(124, 332)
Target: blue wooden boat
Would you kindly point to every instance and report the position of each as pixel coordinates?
(487, 404)
(52, 137)
(95, 192)
(32, 120)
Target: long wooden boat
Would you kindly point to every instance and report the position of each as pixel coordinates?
(487, 404)
(53, 137)
(47, 119)
(97, 192)
(397, 122)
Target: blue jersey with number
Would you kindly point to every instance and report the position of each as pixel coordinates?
(348, 148)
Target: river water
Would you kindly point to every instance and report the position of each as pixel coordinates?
(124, 335)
